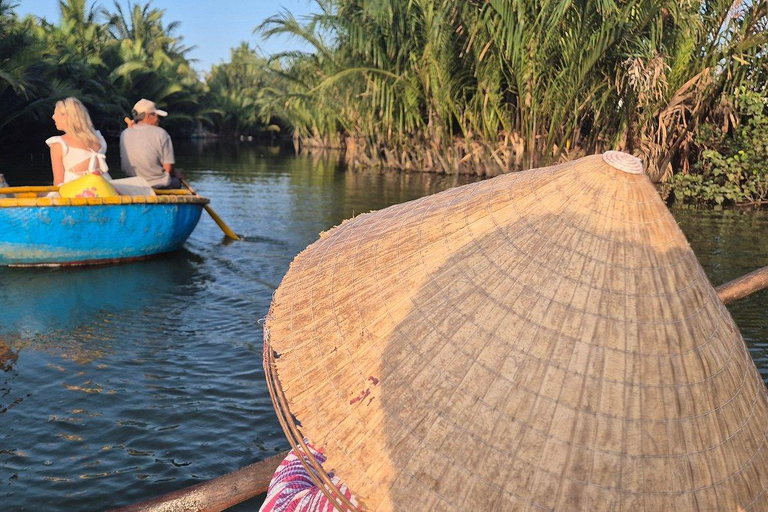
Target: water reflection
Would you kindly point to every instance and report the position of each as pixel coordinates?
(36, 302)
(7, 357)
(728, 243)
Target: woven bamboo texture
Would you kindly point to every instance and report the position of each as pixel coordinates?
(544, 340)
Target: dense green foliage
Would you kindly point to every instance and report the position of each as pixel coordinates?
(449, 84)
(731, 169)
(109, 59)
(21, 73)
(438, 85)
(236, 88)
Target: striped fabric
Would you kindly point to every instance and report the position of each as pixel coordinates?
(292, 488)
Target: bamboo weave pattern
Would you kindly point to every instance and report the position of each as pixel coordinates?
(544, 340)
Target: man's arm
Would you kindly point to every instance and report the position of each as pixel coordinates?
(168, 158)
(171, 169)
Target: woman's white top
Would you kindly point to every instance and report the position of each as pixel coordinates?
(72, 157)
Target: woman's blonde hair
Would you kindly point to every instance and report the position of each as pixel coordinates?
(79, 123)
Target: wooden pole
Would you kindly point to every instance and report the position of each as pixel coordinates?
(215, 216)
(217, 494)
(743, 286)
(28, 189)
(243, 484)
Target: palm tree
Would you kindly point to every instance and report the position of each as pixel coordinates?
(143, 26)
(25, 84)
(234, 90)
(79, 34)
(11, 39)
(148, 61)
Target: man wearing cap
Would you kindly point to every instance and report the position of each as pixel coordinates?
(146, 149)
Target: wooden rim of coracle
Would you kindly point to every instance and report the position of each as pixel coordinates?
(101, 201)
(542, 339)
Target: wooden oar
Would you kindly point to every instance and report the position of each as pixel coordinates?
(743, 286)
(217, 494)
(215, 216)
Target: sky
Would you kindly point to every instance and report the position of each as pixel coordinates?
(212, 26)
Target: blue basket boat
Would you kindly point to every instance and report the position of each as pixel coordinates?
(43, 231)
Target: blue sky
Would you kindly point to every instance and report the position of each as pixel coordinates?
(213, 26)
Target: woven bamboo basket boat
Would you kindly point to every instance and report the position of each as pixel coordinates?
(544, 340)
(43, 231)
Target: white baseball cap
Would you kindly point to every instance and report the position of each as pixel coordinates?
(144, 106)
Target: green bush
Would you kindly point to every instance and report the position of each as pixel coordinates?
(732, 168)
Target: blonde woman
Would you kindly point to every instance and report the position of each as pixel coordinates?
(81, 149)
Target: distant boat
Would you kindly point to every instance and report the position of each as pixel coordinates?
(44, 231)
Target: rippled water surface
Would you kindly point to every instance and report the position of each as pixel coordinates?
(123, 382)
(730, 244)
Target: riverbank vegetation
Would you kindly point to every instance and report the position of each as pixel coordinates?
(107, 59)
(455, 86)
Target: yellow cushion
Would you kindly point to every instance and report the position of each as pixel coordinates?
(90, 185)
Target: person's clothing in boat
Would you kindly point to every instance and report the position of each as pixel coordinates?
(143, 151)
(293, 490)
(79, 161)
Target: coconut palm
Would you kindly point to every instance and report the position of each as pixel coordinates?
(107, 60)
(235, 88)
(12, 39)
(26, 85)
(716, 49)
(143, 26)
(147, 60)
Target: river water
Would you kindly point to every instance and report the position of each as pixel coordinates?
(123, 382)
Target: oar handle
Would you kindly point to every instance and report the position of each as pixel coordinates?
(743, 286)
(215, 216)
(189, 187)
(217, 494)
